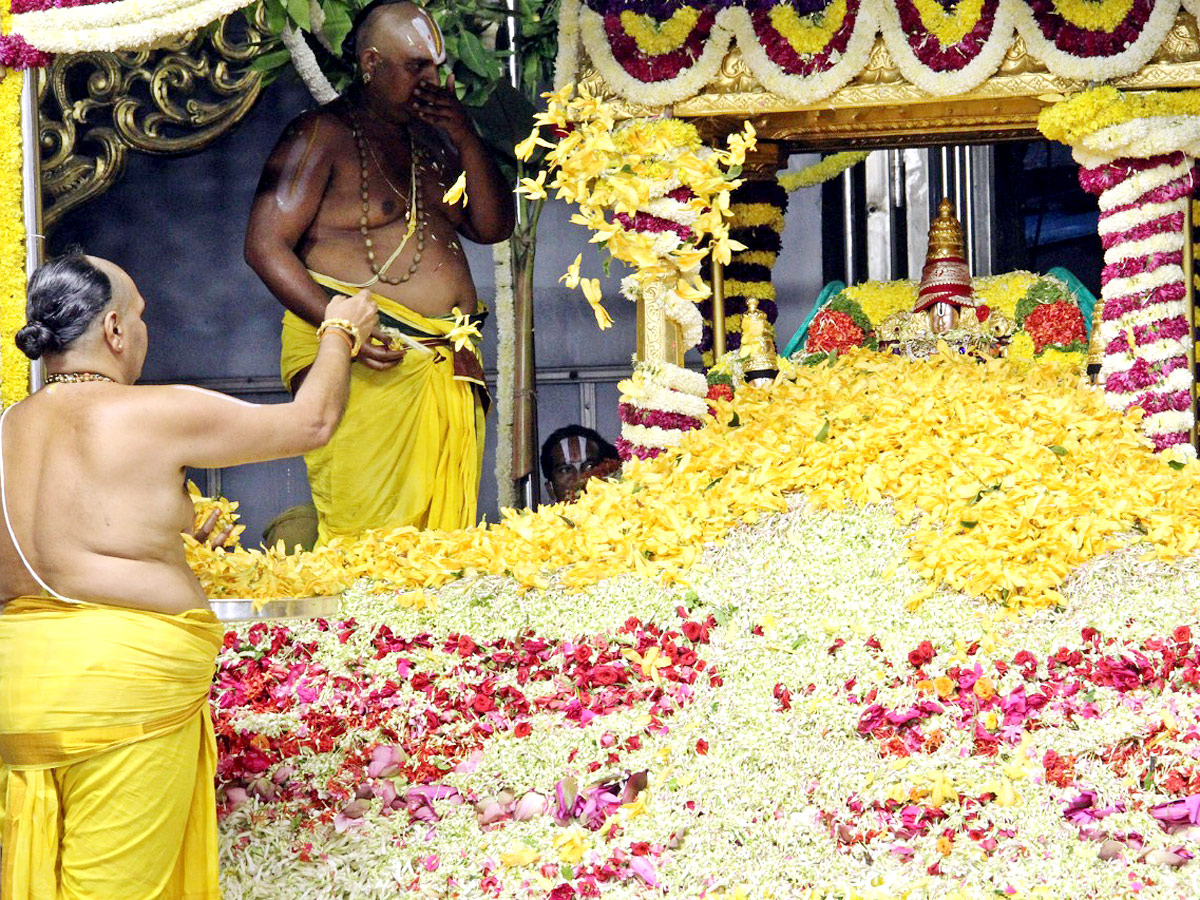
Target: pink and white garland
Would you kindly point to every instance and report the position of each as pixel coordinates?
(660, 403)
(1144, 329)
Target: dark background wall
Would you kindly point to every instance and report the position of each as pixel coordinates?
(177, 225)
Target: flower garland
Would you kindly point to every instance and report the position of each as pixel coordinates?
(660, 402)
(119, 25)
(14, 378)
(757, 209)
(1095, 54)
(819, 172)
(566, 63)
(304, 61)
(943, 53)
(655, 80)
(658, 53)
(1137, 155)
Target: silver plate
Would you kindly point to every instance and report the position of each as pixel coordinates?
(239, 609)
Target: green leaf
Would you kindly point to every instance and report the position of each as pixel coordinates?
(570, 524)
(269, 62)
(823, 433)
(735, 421)
(733, 172)
(1058, 450)
(1175, 464)
(712, 484)
(833, 357)
(298, 11)
(276, 16)
(337, 23)
(966, 524)
(475, 56)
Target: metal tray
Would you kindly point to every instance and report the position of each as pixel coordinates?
(239, 609)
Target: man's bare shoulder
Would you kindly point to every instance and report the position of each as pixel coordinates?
(324, 127)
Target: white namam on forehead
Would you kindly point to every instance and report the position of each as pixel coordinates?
(574, 448)
(429, 35)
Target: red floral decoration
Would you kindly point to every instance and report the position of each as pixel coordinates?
(1059, 324)
(832, 330)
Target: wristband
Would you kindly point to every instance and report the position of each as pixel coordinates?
(347, 328)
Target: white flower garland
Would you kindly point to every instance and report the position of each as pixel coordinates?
(798, 88)
(506, 343)
(662, 93)
(1179, 380)
(1137, 215)
(1138, 317)
(1169, 422)
(675, 378)
(663, 399)
(123, 25)
(304, 61)
(687, 316)
(1144, 137)
(1141, 183)
(1132, 58)
(652, 436)
(672, 210)
(1156, 243)
(566, 63)
(982, 67)
(1143, 281)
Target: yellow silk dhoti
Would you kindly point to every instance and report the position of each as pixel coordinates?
(409, 449)
(107, 741)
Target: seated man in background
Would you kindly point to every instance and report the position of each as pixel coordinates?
(570, 456)
(107, 644)
(353, 196)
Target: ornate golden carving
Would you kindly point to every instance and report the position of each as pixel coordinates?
(176, 99)
(658, 338)
(879, 108)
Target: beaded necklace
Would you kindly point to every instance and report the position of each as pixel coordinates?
(75, 377)
(414, 218)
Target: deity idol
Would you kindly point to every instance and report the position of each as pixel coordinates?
(945, 281)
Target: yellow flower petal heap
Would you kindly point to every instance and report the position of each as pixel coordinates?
(1014, 475)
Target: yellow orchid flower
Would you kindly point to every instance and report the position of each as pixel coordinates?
(651, 662)
(464, 331)
(571, 277)
(457, 191)
(594, 296)
(534, 188)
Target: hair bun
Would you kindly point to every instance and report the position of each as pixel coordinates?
(35, 339)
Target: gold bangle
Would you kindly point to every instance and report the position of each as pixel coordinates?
(347, 328)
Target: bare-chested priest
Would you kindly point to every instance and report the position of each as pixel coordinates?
(352, 197)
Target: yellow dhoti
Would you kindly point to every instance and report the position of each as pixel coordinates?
(409, 449)
(107, 742)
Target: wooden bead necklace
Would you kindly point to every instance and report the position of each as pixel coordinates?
(415, 217)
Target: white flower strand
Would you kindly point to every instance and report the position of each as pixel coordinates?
(506, 343)
(304, 61)
(1169, 242)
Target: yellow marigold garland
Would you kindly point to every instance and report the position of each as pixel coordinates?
(1012, 478)
(818, 173)
(950, 27)
(654, 38)
(1094, 15)
(1070, 120)
(15, 365)
(751, 215)
(809, 34)
(880, 299)
(760, 257)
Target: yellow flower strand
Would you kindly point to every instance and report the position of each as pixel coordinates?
(759, 290)
(750, 215)
(14, 380)
(818, 173)
(950, 27)
(655, 38)
(1094, 15)
(808, 34)
(1073, 118)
